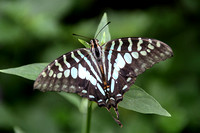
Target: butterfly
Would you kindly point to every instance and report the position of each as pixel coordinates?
(103, 73)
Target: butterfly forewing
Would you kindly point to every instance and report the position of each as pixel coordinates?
(74, 72)
(126, 58)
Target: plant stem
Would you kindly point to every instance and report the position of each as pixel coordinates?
(88, 119)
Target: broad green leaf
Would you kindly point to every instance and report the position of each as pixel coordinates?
(104, 35)
(30, 71)
(86, 44)
(138, 100)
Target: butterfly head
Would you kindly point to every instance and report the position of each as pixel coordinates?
(95, 48)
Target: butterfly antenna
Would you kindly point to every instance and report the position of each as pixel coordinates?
(102, 29)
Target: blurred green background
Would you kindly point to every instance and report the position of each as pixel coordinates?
(41, 30)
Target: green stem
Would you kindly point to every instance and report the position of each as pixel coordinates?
(88, 119)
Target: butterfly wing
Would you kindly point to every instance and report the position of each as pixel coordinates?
(74, 72)
(126, 58)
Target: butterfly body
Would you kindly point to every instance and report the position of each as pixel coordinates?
(103, 73)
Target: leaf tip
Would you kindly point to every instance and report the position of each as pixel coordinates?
(168, 114)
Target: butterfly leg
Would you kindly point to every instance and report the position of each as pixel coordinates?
(117, 114)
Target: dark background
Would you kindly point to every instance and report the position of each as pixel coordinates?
(41, 30)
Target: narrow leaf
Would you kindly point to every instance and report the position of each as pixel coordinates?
(138, 100)
(30, 71)
(104, 35)
(86, 44)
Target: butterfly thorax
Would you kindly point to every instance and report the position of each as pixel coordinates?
(96, 50)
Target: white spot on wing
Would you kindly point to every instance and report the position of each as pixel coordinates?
(112, 46)
(111, 98)
(112, 85)
(144, 53)
(124, 87)
(150, 46)
(143, 65)
(139, 44)
(150, 41)
(59, 65)
(44, 86)
(84, 91)
(50, 73)
(59, 75)
(162, 55)
(74, 72)
(75, 58)
(109, 64)
(91, 96)
(56, 86)
(65, 61)
(64, 87)
(119, 95)
(100, 100)
(135, 55)
(158, 44)
(82, 72)
(120, 45)
(128, 58)
(128, 79)
(67, 73)
(120, 61)
(130, 44)
(136, 70)
(50, 85)
(44, 74)
(49, 68)
(79, 52)
(115, 74)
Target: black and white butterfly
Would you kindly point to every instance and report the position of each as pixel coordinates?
(103, 73)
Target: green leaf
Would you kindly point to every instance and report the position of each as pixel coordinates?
(138, 100)
(30, 71)
(86, 44)
(104, 35)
